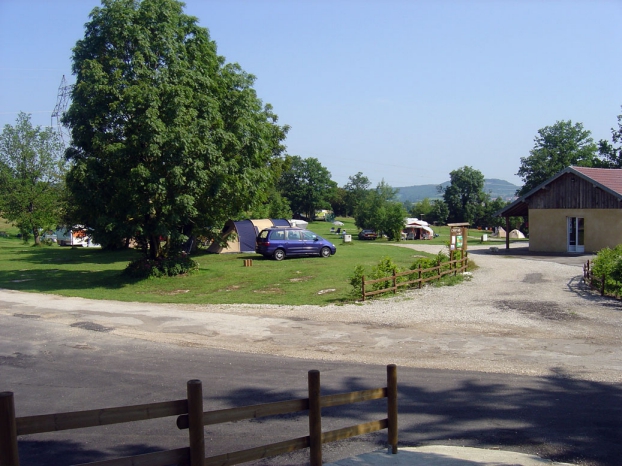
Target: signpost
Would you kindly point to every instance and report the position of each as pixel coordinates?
(457, 238)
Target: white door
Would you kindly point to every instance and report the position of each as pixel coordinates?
(576, 234)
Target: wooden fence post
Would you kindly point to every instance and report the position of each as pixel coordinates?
(420, 283)
(195, 421)
(394, 282)
(439, 271)
(363, 287)
(9, 455)
(392, 406)
(315, 419)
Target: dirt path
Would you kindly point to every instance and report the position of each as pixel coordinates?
(515, 315)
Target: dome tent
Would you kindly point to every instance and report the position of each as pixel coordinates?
(240, 235)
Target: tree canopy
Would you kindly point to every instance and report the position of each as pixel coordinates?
(611, 156)
(356, 190)
(31, 177)
(379, 211)
(167, 139)
(307, 184)
(556, 147)
(464, 195)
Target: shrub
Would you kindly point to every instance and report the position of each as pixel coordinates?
(170, 266)
(356, 281)
(608, 262)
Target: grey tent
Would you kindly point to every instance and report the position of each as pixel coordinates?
(240, 235)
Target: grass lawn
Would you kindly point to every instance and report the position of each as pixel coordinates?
(96, 274)
(221, 279)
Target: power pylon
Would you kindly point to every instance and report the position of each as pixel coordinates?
(62, 100)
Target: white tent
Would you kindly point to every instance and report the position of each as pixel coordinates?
(516, 234)
(299, 223)
(499, 233)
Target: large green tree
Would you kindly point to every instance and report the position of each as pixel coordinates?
(611, 155)
(556, 147)
(307, 185)
(31, 177)
(167, 139)
(464, 195)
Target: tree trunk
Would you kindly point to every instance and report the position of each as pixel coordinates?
(154, 247)
(35, 233)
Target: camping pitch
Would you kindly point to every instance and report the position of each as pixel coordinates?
(240, 236)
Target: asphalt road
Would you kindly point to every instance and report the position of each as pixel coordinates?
(54, 368)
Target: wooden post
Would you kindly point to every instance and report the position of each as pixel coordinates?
(9, 455)
(439, 271)
(195, 421)
(507, 232)
(394, 281)
(363, 287)
(602, 286)
(392, 406)
(315, 419)
(420, 283)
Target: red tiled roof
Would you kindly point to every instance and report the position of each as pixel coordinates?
(608, 177)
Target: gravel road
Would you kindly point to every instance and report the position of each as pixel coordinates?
(516, 315)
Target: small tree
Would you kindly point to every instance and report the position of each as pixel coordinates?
(379, 211)
(31, 177)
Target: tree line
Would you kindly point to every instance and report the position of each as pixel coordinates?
(168, 141)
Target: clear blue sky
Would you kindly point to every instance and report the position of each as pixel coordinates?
(404, 91)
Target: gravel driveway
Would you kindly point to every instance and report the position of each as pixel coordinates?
(516, 315)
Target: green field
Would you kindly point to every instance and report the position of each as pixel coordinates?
(221, 279)
(96, 274)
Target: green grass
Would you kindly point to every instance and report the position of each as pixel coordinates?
(96, 274)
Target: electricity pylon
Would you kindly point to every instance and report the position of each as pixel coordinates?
(62, 100)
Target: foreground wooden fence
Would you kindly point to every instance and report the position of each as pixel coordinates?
(455, 266)
(191, 416)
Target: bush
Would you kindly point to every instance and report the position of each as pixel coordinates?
(170, 266)
(608, 262)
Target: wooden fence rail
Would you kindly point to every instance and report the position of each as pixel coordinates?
(190, 415)
(455, 266)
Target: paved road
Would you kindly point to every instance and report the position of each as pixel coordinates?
(52, 367)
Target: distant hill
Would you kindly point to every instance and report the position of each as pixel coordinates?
(496, 188)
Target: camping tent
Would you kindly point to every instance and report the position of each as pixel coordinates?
(299, 223)
(240, 236)
(417, 229)
(516, 234)
(499, 232)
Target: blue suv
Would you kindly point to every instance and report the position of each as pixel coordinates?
(280, 242)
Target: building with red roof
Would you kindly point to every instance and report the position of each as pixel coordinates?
(577, 210)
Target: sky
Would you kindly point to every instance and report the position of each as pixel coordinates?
(403, 91)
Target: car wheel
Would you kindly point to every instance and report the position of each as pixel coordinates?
(279, 255)
(325, 252)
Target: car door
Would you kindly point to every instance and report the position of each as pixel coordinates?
(310, 242)
(293, 243)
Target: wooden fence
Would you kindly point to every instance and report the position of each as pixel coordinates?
(455, 266)
(192, 417)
